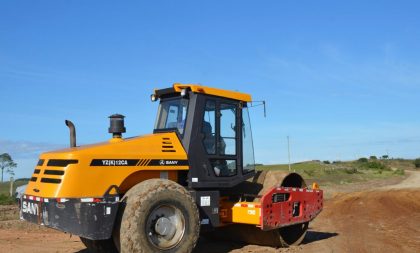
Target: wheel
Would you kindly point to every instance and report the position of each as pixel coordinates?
(292, 235)
(159, 216)
(97, 246)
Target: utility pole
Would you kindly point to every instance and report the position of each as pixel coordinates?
(288, 151)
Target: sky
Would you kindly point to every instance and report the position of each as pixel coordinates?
(342, 79)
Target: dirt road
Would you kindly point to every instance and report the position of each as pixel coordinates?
(379, 218)
(412, 181)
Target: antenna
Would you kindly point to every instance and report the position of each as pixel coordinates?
(288, 152)
(259, 103)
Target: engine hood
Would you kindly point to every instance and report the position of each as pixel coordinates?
(90, 170)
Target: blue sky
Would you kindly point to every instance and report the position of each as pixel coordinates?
(341, 79)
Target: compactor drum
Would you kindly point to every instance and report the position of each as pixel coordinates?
(158, 192)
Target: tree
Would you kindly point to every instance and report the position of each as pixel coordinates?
(6, 162)
(372, 157)
(385, 157)
(363, 160)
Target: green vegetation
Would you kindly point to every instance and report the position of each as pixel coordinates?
(417, 163)
(375, 165)
(6, 200)
(400, 172)
(341, 172)
(363, 160)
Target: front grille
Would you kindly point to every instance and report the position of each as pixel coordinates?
(49, 170)
(167, 145)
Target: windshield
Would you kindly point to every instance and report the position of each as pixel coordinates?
(172, 114)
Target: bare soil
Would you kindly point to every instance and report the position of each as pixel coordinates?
(377, 216)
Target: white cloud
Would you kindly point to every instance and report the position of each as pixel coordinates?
(25, 149)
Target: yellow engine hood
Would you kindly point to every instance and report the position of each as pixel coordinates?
(88, 171)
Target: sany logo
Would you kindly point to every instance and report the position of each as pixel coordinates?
(31, 208)
(163, 162)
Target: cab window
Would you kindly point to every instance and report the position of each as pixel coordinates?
(247, 143)
(172, 114)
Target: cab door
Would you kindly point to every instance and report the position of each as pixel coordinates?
(215, 154)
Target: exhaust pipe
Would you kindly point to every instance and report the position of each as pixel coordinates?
(72, 133)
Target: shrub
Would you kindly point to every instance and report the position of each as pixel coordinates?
(376, 166)
(363, 160)
(417, 163)
(326, 162)
(372, 157)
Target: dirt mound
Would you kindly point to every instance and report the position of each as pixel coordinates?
(373, 221)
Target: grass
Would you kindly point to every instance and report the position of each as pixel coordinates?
(6, 200)
(344, 172)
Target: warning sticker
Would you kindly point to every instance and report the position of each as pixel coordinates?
(205, 201)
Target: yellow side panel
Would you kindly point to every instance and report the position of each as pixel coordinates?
(240, 212)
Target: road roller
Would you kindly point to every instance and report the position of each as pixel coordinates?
(159, 192)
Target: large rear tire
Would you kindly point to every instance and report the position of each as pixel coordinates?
(99, 246)
(159, 216)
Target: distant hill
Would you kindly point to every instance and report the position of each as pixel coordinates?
(343, 172)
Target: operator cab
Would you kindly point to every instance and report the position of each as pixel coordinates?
(214, 128)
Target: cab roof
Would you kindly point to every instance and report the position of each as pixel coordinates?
(177, 87)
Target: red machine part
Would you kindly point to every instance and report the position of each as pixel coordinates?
(284, 206)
